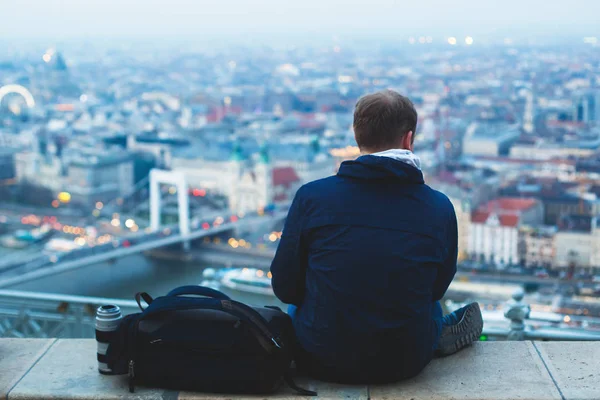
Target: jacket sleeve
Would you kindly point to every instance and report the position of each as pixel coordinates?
(448, 270)
(288, 268)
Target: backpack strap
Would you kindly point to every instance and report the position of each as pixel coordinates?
(198, 291)
(255, 321)
(289, 380)
(139, 296)
(253, 318)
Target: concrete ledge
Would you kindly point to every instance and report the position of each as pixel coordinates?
(17, 357)
(66, 369)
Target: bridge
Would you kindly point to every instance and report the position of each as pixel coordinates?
(155, 236)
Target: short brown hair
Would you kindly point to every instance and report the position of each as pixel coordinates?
(381, 119)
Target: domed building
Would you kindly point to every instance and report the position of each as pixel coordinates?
(57, 82)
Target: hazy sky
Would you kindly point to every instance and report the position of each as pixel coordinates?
(87, 18)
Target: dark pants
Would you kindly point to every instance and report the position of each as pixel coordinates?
(388, 372)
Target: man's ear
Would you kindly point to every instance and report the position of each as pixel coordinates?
(407, 141)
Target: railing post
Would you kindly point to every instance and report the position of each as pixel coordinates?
(517, 311)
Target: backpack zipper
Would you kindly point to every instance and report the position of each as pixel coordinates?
(131, 376)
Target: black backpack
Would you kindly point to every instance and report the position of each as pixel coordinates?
(209, 344)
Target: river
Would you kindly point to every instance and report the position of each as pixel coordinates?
(128, 275)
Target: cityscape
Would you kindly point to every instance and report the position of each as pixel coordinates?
(125, 171)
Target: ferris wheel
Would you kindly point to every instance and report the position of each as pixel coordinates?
(18, 90)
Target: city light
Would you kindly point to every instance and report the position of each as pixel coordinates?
(115, 222)
(269, 275)
(452, 41)
(83, 98)
(260, 273)
(468, 40)
(47, 57)
(129, 223)
(172, 190)
(64, 197)
(227, 101)
(348, 151)
(55, 203)
(99, 205)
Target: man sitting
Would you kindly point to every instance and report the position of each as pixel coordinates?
(367, 254)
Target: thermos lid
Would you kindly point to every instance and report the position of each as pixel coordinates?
(108, 310)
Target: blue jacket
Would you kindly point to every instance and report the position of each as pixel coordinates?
(364, 255)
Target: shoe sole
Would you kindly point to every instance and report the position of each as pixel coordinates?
(467, 331)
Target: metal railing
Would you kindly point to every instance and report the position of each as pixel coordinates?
(40, 315)
(519, 314)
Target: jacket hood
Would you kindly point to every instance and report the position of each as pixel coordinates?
(376, 167)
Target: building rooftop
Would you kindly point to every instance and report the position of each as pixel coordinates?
(507, 209)
(510, 204)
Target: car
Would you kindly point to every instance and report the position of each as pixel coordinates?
(514, 270)
(541, 274)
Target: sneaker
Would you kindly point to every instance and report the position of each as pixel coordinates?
(465, 328)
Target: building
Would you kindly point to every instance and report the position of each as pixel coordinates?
(494, 235)
(7, 164)
(538, 247)
(558, 198)
(461, 201)
(98, 175)
(305, 156)
(44, 170)
(215, 172)
(575, 242)
(264, 184)
(543, 149)
(489, 138)
(586, 107)
(160, 145)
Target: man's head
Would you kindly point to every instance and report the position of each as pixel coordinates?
(384, 120)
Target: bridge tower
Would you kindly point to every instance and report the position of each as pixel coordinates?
(176, 178)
